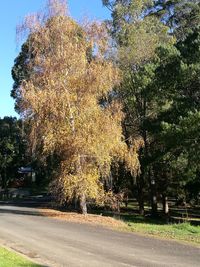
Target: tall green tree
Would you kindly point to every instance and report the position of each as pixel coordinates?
(181, 16)
(178, 74)
(21, 71)
(160, 89)
(137, 37)
(12, 150)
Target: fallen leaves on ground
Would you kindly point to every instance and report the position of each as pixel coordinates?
(79, 218)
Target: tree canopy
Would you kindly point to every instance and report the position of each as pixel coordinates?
(114, 102)
(61, 100)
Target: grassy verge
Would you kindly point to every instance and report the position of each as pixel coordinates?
(132, 222)
(10, 259)
(182, 231)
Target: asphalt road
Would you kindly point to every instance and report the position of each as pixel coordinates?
(59, 243)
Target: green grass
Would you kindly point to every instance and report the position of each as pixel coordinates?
(182, 231)
(10, 259)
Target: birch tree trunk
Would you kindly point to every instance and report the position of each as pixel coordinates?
(83, 204)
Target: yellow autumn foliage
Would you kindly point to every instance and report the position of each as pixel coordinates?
(62, 101)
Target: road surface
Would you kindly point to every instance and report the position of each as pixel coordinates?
(59, 243)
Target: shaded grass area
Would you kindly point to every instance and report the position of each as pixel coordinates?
(159, 228)
(182, 224)
(10, 259)
(177, 226)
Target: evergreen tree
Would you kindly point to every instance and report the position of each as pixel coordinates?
(12, 150)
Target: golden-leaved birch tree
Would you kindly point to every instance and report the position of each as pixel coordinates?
(70, 74)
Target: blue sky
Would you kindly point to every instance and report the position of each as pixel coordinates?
(13, 12)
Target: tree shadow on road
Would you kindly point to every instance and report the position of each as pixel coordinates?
(19, 211)
(21, 208)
